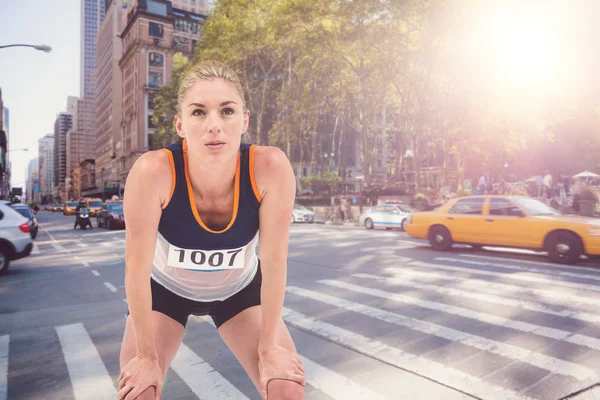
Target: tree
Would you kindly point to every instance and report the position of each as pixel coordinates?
(165, 104)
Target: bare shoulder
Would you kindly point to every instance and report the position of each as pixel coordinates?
(271, 166)
(152, 172)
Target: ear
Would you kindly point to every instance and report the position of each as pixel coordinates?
(246, 121)
(179, 126)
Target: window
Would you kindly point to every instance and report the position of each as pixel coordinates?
(155, 79)
(504, 208)
(151, 97)
(157, 8)
(155, 60)
(468, 207)
(151, 125)
(156, 30)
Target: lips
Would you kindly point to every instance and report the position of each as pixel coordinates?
(214, 143)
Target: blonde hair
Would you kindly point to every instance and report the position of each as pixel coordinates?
(206, 70)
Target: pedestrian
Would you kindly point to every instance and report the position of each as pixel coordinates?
(193, 212)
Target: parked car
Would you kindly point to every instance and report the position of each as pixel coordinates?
(386, 216)
(302, 214)
(508, 221)
(28, 213)
(15, 239)
(111, 216)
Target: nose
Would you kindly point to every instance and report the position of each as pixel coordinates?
(214, 122)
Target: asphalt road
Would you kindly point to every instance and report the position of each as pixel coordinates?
(374, 314)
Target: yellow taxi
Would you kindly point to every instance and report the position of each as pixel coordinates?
(94, 205)
(69, 207)
(508, 221)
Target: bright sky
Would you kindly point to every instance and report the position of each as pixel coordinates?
(35, 84)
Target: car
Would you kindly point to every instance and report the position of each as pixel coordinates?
(302, 214)
(94, 205)
(31, 216)
(69, 207)
(15, 239)
(386, 216)
(508, 221)
(111, 216)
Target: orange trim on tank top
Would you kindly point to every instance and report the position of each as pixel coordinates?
(236, 192)
(172, 162)
(252, 181)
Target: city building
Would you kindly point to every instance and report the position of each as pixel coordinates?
(153, 32)
(81, 143)
(62, 125)
(46, 165)
(88, 179)
(194, 6)
(109, 93)
(32, 184)
(4, 158)
(92, 14)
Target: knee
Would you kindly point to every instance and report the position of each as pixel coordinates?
(285, 390)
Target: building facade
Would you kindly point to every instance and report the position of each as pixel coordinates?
(92, 14)
(109, 92)
(32, 184)
(153, 33)
(62, 125)
(81, 143)
(46, 164)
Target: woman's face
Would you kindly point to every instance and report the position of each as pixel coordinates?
(212, 117)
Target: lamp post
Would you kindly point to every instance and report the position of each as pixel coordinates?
(42, 47)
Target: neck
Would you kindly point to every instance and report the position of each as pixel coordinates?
(211, 178)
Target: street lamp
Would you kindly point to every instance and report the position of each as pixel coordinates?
(41, 47)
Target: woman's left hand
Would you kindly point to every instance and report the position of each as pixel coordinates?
(276, 362)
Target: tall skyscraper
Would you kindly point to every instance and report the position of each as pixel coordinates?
(92, 15)
(64, 122)
(109, 97)
(46, 164)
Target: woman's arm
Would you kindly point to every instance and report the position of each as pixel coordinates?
(147, 188)
(277, 184)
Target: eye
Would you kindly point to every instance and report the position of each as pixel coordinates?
(197, 112)
(228, 111)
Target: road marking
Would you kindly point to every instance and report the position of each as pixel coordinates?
(202, 379)
(82, 245)
(4, 345)
(56, 245)
(522, 268)
(105, 244)
(35, 250)
(506, 350)
(518, 277)
(527, 327)
(82, 261)
(110, 286)
(393, 356)
(125, 300)
(480, 284)
(540, 263)
(490, 298)
(96, 273)
(88, 374)
(335, 385)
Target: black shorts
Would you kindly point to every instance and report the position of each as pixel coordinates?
(179, 308)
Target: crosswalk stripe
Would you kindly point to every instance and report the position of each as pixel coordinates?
(391, 355)
(89, 377)
(335, 385)
(329, 382)
(552, 333)
(36, 249)
(490, 298)
(480, 284)
(550, 272)
(506, 350)
(106, 244)
(202, 379)
(4, 344)
(519, 277)
(540, 263)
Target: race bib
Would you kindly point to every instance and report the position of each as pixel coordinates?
(206, 260)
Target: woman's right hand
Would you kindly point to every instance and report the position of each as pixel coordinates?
(138, 375)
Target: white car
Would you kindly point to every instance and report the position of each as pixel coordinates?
(386, 216)
(302, 214)
(15, 239)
